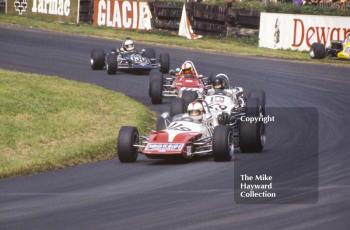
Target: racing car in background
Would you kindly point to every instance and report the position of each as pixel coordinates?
(230, 105)
(337, 49)
(127, 58)
(184, 82)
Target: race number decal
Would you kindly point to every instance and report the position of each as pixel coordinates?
(179, 127)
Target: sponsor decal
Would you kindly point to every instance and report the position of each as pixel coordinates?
(298, 32)
(122, 14)
(162, 147)
(20, 6)
(52, 7)
(55, 10)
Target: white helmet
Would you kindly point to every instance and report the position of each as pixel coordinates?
(187, 68)
(128, 45)
(195, 110)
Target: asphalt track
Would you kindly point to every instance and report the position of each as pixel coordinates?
(167, 195)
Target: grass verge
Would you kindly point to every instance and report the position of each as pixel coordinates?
(208, 43)
(48, 123)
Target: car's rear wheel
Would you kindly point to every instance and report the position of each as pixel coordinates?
(223, 146)
(251, 136)
(155, 89)
(261, 96)
(164, 60)
(317, 51)
(252, 107)
(112, 64)
(127, 138)
(177, 106)
(97, 59)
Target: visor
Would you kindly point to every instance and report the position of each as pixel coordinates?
(187, 71)
(217, 86)
(194, 112)
(129, 46)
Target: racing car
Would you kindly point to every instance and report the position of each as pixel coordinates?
(229, 104)
(127, 58)
(337, 49)
(185, 137)
(184, 82)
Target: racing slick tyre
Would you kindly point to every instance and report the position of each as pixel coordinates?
(128, 136)
(251, 136)
(164, 60)
(155, 89)
(112, 64)
(317, 51)
(177, 106)
(97, 59)
(260, 94)
(160, 125)
(223, 147)
(189, 96)
(253, 107)
(150, 53)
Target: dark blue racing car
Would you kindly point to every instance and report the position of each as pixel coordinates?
(127, 58)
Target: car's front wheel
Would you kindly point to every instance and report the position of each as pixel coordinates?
(223, 146)
(97, 59)
(127, 138)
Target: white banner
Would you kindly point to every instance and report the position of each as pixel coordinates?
(185, 28)
(122, 14)
(298, 32)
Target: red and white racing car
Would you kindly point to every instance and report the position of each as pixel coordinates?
(185, 138)
(185, 82)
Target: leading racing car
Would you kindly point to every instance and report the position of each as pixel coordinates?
(127, 58)
(197, 132)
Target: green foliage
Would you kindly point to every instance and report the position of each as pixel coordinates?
(47, 122)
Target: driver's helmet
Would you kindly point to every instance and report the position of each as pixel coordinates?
(187, 69)
(221, 81)
(128, 45)
(195, 110)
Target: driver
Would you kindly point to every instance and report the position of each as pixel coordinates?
(187, 70)
(195, 110)
(219, 84)
(128, 45)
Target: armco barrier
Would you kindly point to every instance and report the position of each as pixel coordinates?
(58, 10)
(205, 18)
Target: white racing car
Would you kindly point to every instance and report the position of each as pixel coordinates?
(230, 105)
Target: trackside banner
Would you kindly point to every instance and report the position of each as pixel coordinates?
(298, 32)
(122, 14)
(57, 10)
